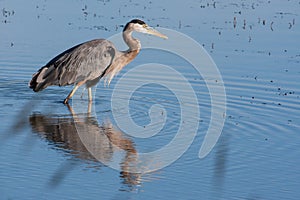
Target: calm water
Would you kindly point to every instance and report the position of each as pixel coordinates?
(255, 45)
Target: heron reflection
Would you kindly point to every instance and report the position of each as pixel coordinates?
(82, 137)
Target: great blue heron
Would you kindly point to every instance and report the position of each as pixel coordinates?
(88, 62)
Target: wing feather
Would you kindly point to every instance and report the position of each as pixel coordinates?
(84, 62)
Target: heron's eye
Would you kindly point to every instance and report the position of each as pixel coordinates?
(144, 25)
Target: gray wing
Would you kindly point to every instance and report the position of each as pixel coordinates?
(84, 62)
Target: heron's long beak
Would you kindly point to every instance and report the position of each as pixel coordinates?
(152, 31)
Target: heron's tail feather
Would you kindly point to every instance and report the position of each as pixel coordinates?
(39, 80)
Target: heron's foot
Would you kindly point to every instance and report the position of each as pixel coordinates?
(66, 101)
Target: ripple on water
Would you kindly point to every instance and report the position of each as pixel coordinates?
(259, 119)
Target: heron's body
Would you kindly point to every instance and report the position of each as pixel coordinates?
(88, 62)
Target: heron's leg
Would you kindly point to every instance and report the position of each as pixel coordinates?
(90, 94)
(71, 94)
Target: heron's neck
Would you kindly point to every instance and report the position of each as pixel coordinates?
(133, 44)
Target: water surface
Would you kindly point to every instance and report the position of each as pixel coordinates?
(256, 48)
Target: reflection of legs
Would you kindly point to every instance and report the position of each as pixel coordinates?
(73, 112)
(73, 92)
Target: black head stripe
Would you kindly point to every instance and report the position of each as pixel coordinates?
(134, 21)
(137, 21)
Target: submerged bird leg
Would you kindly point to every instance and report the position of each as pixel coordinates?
(73, 92)
(89, 109)
(90, 94)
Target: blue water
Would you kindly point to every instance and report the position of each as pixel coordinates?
(255, 46)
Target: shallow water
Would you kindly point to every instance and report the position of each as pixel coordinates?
(256, 48)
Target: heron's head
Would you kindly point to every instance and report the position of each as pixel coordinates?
(142, 27)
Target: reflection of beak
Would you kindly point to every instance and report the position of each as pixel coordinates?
(152, 31)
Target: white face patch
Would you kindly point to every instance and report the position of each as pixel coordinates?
(140, 28)
(144, 28)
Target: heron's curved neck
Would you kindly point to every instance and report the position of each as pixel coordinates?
(133, 44)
